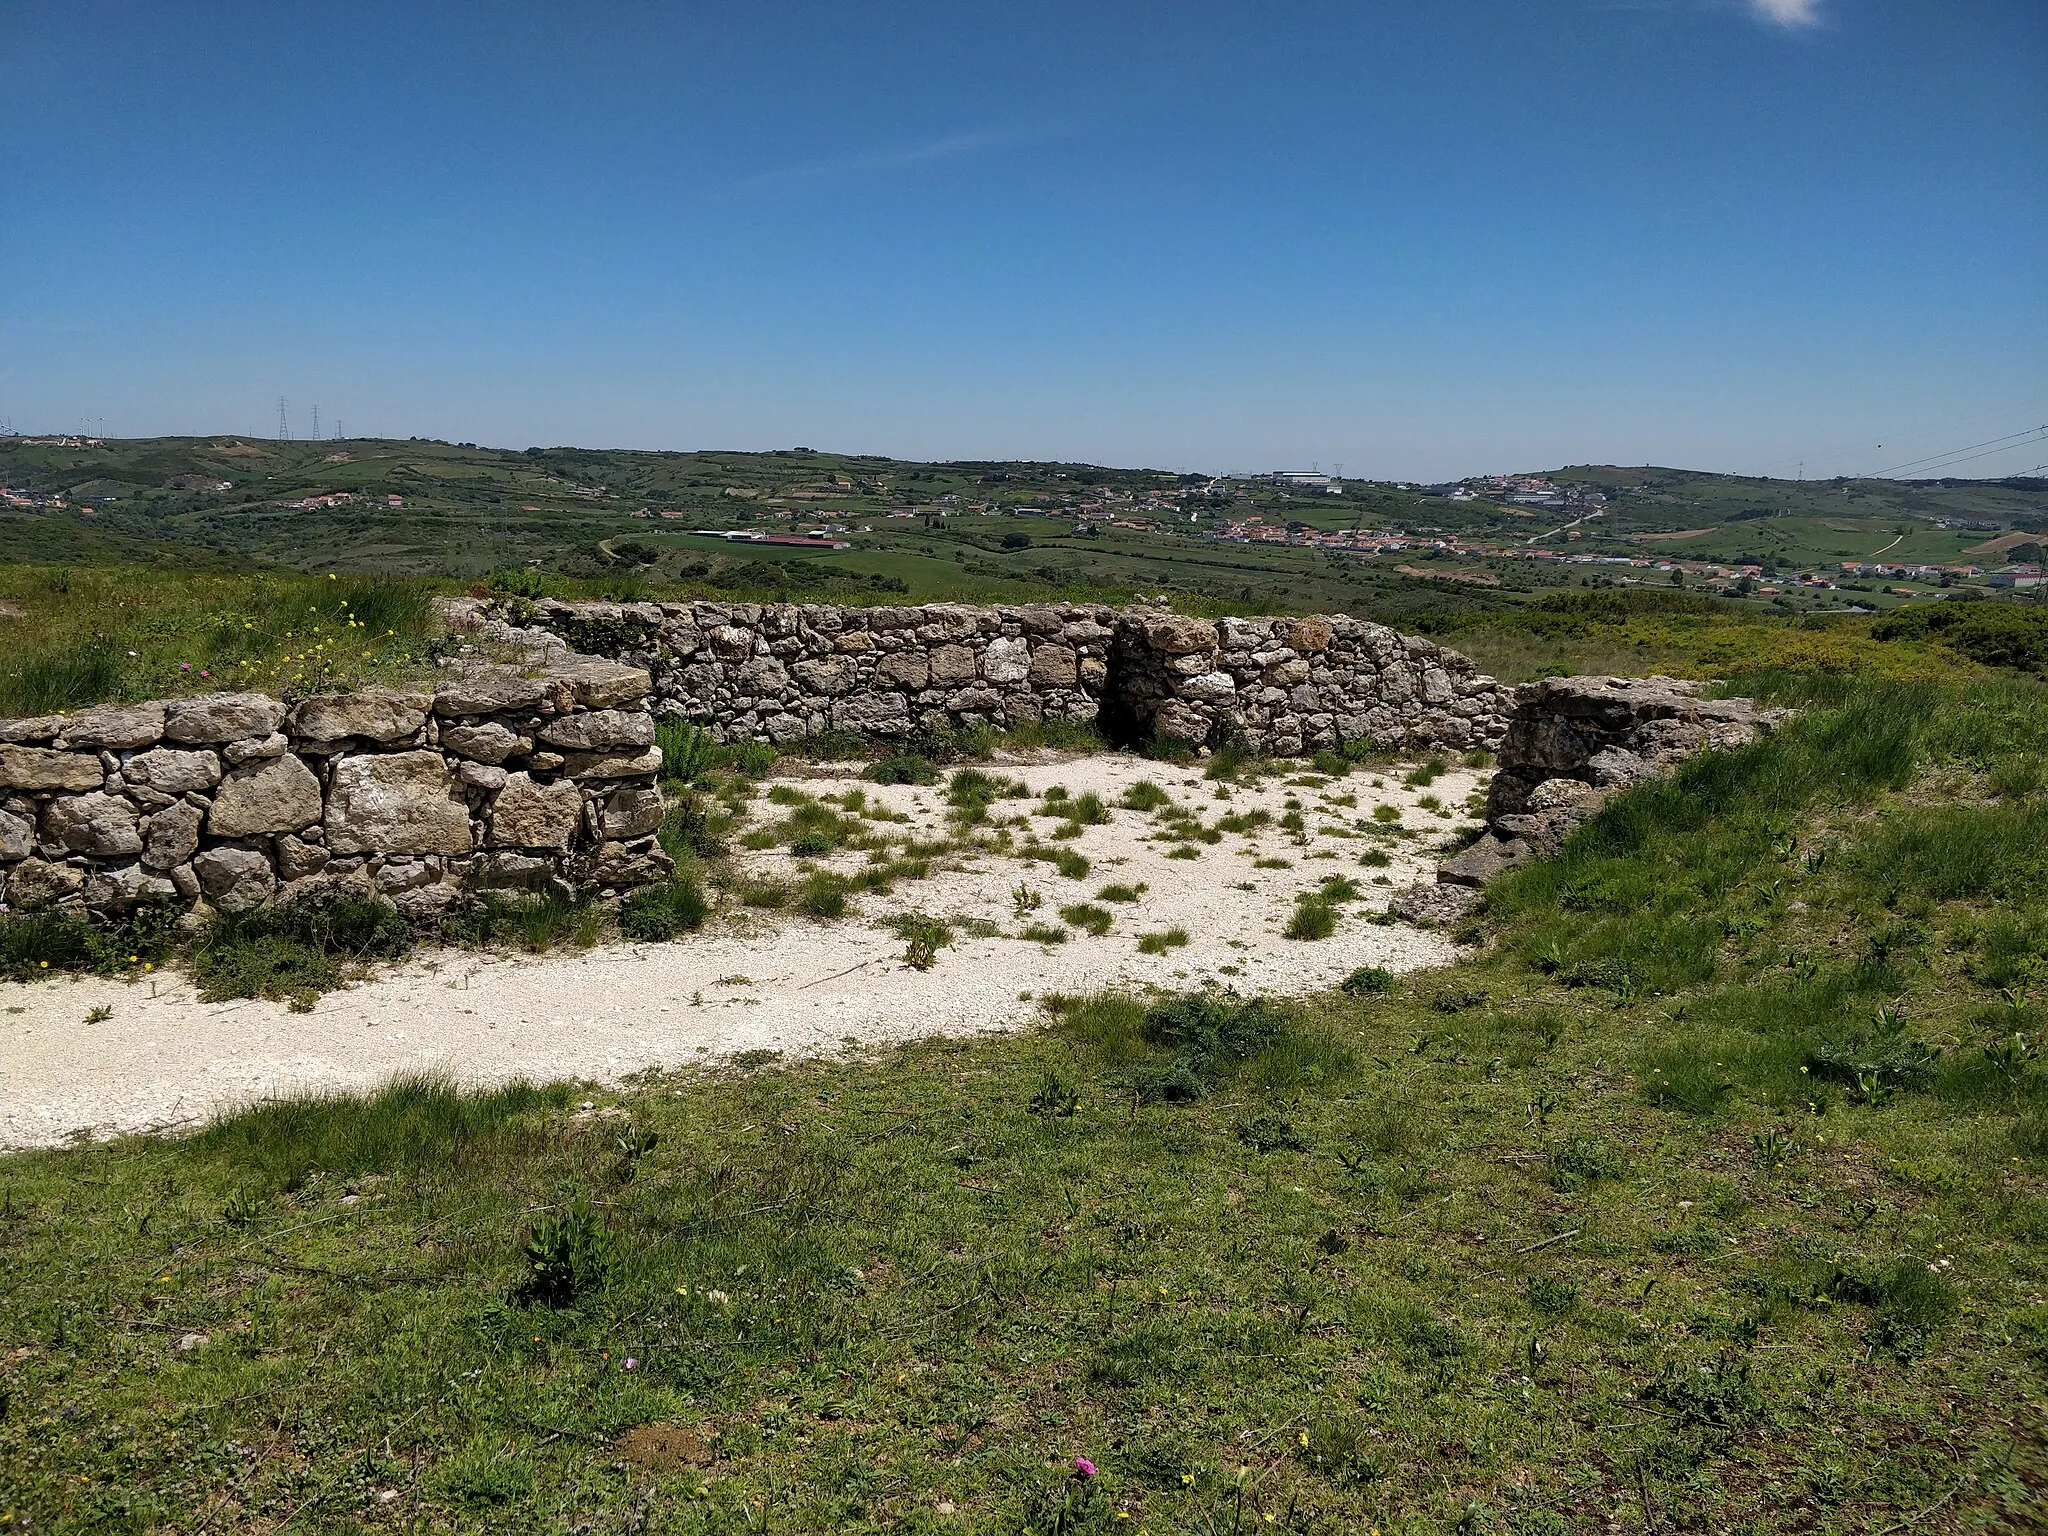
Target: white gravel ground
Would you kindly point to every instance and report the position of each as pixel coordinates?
(753, 982)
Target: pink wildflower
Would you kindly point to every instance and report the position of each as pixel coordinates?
(631, 1362)
(1083, 1467)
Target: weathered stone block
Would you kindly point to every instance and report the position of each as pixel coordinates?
(115, 727)
(633, 811)
(827, 674)
(530, 815)
(234, 878)
(874, 714)
(36, 883)
(904, 669)
(378, 714)
(488, 690)
(1175, 635)
(952, 665)
(397, 802)
(46, 768)
(1006, 661)
(275, 794)
(486, 743)
(173, 835)
(610, 765)
(96, 823)
(1054, 666)
(600, 728)
(17, 836)
(217, 717)
(169, 771)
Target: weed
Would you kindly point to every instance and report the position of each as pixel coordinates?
(687, 751)
(1271, 1133)
(1044, 933)
(569, 1255)
(923, 937)
(1368, 981)
(1056, 1099)
(1144, 796)
(1312, 918)
(1092, 919)
(1024, 900)
(655, 914)
(1160, 943)
(1580, 1161)
(99, 1015)
(903, 768)
(1121, 893)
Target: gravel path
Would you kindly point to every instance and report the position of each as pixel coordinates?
(748, 983)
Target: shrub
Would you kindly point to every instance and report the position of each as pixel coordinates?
(1093, 919)
(923, 937)
(1367, 981)
(1209, 1036)
(568, 1256)
(1144, 796)
(687, 751)
(1313, 918)
(903, 768)
(655, 914)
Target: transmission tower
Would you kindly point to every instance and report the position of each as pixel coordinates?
(316, 421)
(284, 428)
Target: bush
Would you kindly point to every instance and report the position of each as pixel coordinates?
(923, 937)
(295, 948)
(903, 768)
(568, 1256)
(655, 914)
(34, 944)
(1367, 981)
(1313, 918)
(1209, 1036)
(687, 751)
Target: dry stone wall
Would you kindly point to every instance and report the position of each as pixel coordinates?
(780, 672)
(495, 777)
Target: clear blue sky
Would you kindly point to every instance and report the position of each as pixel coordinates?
(1417, 237)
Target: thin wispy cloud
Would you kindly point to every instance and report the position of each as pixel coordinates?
(1788, 13)
(952, 146)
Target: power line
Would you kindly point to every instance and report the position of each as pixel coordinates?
(1987, 443)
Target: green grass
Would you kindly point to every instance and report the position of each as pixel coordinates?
(1559, 1238)
(90, 635)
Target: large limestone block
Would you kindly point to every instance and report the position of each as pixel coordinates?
(872, 714)
(94, 823)
(17, 836)
(169, 771)
(46, 768)
(217, 717)
(1177, 721)
(486, 743)
(173, 836)
(597, 683)
(125, 886)
(33, 728)
(35, 884)
(115, 727)
(396, 802)
(1209, 686)
(1006, 661)
(376, 714)
(612, 765)
(951, 665)
(600, 728)
(904, 669)
(234, 878)
(633, 811)
(762, 675)
(530, 815)
(827, 674)
(272, 794)
(486, 690)
(1054, 666)
(1176, 635)
(1310, 635)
